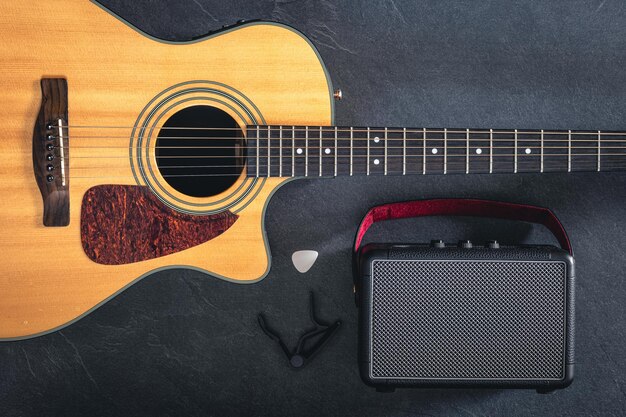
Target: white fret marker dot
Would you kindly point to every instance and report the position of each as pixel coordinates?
(376, 162)
(299, 151)
(479, 151)
(327, 151)
(376, 139)
(527, 151)
(434, 151)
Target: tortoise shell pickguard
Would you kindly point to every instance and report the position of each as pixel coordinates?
(121, 224)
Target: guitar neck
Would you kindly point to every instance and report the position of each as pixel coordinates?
(316, 151)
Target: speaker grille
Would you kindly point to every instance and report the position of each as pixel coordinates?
(465, 319)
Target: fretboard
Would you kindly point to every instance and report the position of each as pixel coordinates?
(318, 151)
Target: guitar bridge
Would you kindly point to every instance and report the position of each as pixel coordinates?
(51, 152)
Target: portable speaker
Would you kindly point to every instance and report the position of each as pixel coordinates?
(434, 315)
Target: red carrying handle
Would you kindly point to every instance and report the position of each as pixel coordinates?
(464, 207)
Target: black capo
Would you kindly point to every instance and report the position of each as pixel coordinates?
(301, 355)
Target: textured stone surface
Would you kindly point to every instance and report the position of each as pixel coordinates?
(180, 343)
(121, 224)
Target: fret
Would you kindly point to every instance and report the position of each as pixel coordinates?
(386, 140)
(404, 151)
(515, 153)
(351, 149)
(320, 153)
(569, 151)
(269, 151)
(293, 151)
(599, 151)
(424, 151)
(467, 151)
(280, 151)
(306, 151)
(336, 151)
(445, 151)
(368, 151)
(257, 150)
(541, 169)
(613, 151)
(490, 151)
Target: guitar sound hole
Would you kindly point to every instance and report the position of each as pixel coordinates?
(199, 151)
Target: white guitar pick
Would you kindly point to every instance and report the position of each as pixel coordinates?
(303, 260)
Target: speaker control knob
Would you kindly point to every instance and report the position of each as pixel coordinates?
(465, 244)
(493, 244)
(437, 243)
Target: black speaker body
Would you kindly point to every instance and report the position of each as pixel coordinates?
(465, 317)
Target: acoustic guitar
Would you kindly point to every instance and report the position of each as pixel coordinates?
(125, 154)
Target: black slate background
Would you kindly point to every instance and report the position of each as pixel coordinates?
(181, 343)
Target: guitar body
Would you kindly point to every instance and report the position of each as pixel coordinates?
(120, 84)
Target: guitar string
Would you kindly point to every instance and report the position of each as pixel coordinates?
(290, 142)
(450, 171)
(329, 130)
(502, 165)
(496, 165)
(344, 129)
(390, 173)
(487, 151)
(562, 163)
(460, 166)
(287, 172)
(574, 152)
(287, 149)
(317, 156)
(592, 138)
